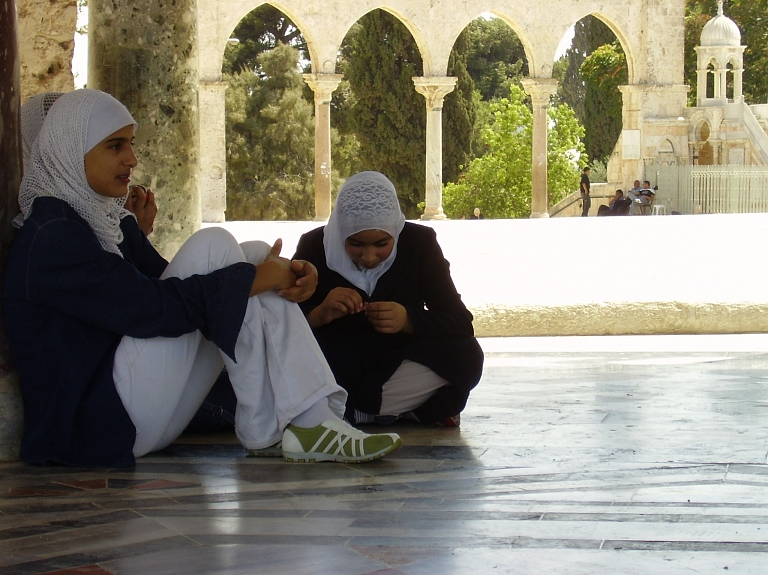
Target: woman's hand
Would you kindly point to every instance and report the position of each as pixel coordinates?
(388, 317)
(141, 203)
(306, 282)
(338, 303)
(275, 273)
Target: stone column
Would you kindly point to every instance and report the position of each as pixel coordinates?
(540, 90)
(11, 412)
(213, 152)
(145, 54)
(738, 79)
(434, 89)
(723, 83)
(323, 86)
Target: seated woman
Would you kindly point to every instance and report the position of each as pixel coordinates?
(113, 361)
(217, 411)
(386, 313)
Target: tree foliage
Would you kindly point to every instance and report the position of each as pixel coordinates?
(388, 116)
(594, 106)
(259, 31)
(604, 70)
(270, 141)
(458, 112)
(499, 183)
(496, 57)
(589, 34)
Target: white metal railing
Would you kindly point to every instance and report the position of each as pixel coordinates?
(710, 189)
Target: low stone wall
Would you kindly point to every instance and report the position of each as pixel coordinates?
(621, 318)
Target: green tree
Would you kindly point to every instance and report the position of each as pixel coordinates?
(496, 57)
(458, 112)
(589, 34)
(259, 31)
(499, 183)
(604, 70)
(388, 116)
(270, 141)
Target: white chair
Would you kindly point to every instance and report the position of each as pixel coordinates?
(658, 209)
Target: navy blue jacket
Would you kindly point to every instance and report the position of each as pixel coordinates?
(68, 303)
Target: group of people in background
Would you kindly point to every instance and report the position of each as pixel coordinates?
(620, 205)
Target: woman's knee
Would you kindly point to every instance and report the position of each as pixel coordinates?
(205, 251)
(255, 251)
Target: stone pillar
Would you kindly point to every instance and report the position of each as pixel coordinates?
(723, 83)
(738, 79)
(434, 89)
(717, 74)
(11, 412)
(213, 152)
(323, 86)
(46, 36)
(145, 54)
(540, 90)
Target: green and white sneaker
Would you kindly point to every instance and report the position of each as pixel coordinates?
(336, 440)
(275, 450)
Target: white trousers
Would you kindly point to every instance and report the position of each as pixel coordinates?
(280, 370)
(409, 388)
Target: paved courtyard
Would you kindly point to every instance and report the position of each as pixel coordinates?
(627, 455)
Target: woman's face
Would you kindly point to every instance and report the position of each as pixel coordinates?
(369, 248)
(109, 163)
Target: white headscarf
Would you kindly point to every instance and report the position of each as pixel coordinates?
(366, 201)
(76, 122)
(33, 112)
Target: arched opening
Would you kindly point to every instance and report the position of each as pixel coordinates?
(711, 80)
(380, 117)
(496, 63)
(728, 88)
(590, 73)
(269, 120)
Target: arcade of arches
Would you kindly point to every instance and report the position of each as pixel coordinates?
(170, 78)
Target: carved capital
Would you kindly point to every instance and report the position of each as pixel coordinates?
(539, 89)
(323, 85)
(434, 89)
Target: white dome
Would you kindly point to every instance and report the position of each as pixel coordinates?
(720, 31)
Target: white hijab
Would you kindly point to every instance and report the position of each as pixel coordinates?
(366, 201)
(33, 113)
(75, 123)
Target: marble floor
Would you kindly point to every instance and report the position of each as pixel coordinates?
(576, 456)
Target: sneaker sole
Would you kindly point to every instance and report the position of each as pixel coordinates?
(317, 457)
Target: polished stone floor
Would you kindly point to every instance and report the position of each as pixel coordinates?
(576, 456)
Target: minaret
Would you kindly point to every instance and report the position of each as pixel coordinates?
(720, 46)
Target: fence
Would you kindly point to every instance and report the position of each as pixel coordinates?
(710, 189)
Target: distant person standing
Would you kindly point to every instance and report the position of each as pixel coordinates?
(477, 215)
(585, 198)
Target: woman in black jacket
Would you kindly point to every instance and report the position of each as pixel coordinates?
(386, 312)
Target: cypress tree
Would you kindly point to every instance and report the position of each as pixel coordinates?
(458, 112)
(387, 114)
(589, 34)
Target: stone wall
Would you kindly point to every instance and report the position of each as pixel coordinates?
(46, 45)
(620, 318)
